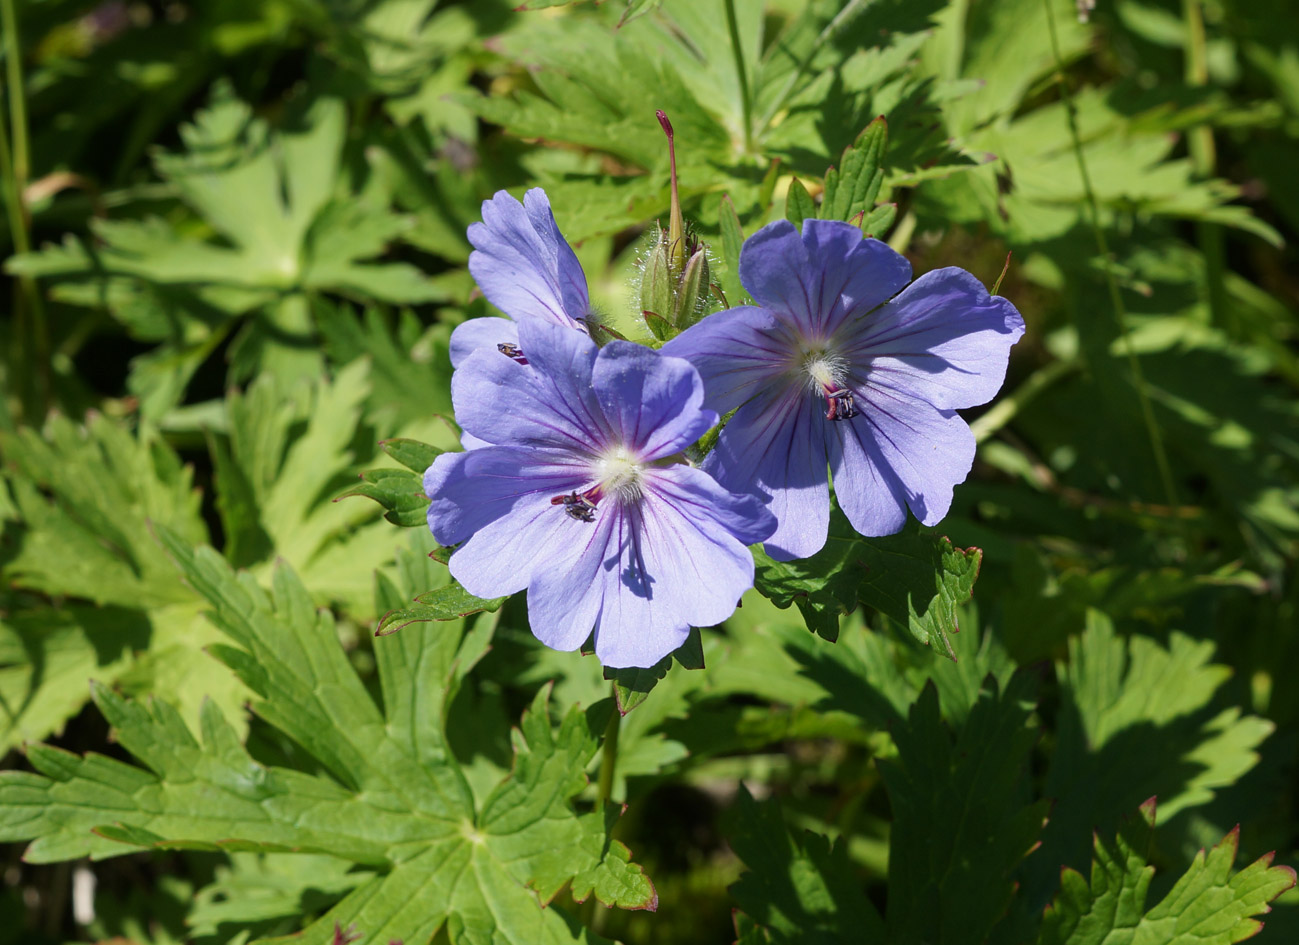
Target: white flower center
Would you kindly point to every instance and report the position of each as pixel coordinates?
(823, 370)
(621, 474)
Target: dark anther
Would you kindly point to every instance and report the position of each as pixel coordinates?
(839, 405)
(580, 507)
(513, 352)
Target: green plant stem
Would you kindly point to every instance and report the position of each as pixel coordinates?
(608, 757)
(593, 914)
(1009, 405)
(746, 105)
(903, 232)
(1103, 249)
(1203, 154)
(16, 170)
(1204, 160)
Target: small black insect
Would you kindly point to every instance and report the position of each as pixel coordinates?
(577, 506)
(839, 405)
(513, 352)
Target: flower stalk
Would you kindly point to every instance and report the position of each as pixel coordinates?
(675, 281)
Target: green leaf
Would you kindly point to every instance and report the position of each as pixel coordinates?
(389, 794)
(86, 497)
(446, 603)
(853, 188)
(286, 450)
(916, 578)
(257, 238)
(632, 686)
(410, 372)
(1207, 906)
(732, 240)
(46, 656)
(879, 221)
(801, 889)
(961, 821)
(798, 204)
(1137, 719)
(399, 491)
(414, 455)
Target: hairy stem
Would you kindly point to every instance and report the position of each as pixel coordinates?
(1103, 249)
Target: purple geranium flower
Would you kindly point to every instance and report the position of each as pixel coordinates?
(526, 269)
(579, 496)
(831, 370)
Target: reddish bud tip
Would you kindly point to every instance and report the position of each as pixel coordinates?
(663, 120)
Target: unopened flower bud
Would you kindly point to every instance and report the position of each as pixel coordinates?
(657, 284)
(693, 280)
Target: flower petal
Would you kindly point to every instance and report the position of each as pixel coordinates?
(693, 537)
(652, 402)
(565, 596)
(944, 340)
(638, 623)
(523, 264)
(849, 275)
(737, 352)
(896, 451)
(701, 499)
(479, 333)
(776, 445)
(508, 554)
(548, 402)
(774, 268)
(470, 490)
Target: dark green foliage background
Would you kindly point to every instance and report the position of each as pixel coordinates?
(234, 253)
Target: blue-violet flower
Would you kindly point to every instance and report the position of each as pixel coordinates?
(577, 494)
(834, 367)
(526, 269)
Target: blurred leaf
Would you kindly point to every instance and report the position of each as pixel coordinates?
(962, 820)
(46, 657)
(799, 888)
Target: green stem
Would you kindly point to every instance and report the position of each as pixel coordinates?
(1009, 405)
(1103, 249)
(1203, 154)
(593, 915)
(903, 232)
(746, 106)
(16, 170)
(1204, 160)
(608, 758)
